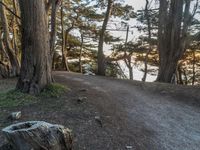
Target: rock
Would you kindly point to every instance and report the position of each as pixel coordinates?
(81, 99)
(163, 92)
(129, 147)
(15, 115)
(83, 90)
(98, 120)
(38, 135)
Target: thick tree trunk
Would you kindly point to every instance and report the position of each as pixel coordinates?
(46, 136)
(101, 58)
(15, 66)
(167, 70)
(36, 59)
(169, 39)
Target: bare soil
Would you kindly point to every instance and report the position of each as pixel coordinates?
(134, 115)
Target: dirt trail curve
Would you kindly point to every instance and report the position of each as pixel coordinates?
(138, 118)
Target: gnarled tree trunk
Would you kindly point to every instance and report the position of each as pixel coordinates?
(36, 59)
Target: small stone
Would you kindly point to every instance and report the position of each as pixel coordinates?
(81, 99)
(98, 120)
(83, 90)
(163, 92)
(15, 115)
(129, 147)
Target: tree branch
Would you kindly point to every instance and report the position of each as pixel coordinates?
(1, 3)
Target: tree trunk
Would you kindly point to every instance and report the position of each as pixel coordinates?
(101, 58)
(146, 65)
(15, 26)
(46, 136)
(179, 74)
(36, 59)
(54, 8)
(185, 75)
(193, 67)
(16, 10)
(149, 38)
(130, 73)
(64, 59)
(15, 66)
(127, 61)
(80, 55)
(169, 39)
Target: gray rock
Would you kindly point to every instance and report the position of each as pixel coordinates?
(98, 120)
(83, 90)
(129, 147)
(15, 115)
(81, 99)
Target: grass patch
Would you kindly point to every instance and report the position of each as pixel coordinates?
(54, 90)
(14, 98)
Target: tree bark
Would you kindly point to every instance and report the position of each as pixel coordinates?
(193, 67)
(101, 58)
(127, 61)
(55, 4)
(149, 38)
(64, 59)
(36, 59)
(15, 66)
(169, 39)
(80, 54)
(46, 136)
(14, 26)
(179, 75)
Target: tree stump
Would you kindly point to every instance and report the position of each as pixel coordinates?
(38, 135)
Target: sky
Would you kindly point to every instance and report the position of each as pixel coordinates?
(137, 4)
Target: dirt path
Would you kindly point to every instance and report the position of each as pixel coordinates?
(134, 118)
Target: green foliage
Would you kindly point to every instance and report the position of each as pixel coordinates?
(15, 98)
(125, 12)
(54, 90)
